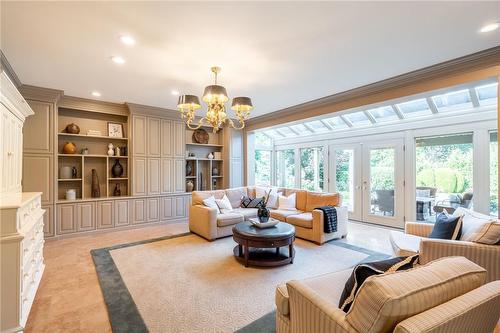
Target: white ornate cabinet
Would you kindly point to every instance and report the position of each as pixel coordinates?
(21, 217)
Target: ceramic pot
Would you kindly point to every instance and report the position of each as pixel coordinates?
(189, 186)
(65, 172)
(215, 171)
(96, 190)
(117, 169)
(263, 214)
(69, 148)
(72, 128)
(71, 194)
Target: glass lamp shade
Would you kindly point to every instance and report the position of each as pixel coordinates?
(188, 102)
(242, 104)
(215, 92)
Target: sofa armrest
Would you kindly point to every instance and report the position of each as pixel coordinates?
(203, 221)
(486, 256)
(418, 229)
(308, 309)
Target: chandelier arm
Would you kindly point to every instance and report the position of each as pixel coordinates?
(200, 123)
(231, 123)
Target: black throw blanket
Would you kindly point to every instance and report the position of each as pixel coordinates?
(330, 217)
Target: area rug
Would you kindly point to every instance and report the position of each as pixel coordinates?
(186, 284)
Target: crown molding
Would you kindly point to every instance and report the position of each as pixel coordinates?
(472, 62)
(7, 68)
(41, 94)
(92, 105)
(12, 99)
(152, 111)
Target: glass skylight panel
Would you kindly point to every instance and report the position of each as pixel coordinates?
(301, 129)
(286, 131)
(453, 100)
(273, 134)
(383, 113)
(358, 118)
(415, 108)
(262, 140)
(487, 94)
(335, 122)
(317, 126)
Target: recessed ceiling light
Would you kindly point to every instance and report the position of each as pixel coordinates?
(175, 92)
(96, 94)
(118, 60)
(490, 27)
(127, 40)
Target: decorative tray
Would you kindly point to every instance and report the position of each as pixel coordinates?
(271, 223)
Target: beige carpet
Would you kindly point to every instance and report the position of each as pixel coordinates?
(187, 284)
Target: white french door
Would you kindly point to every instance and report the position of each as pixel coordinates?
(370, 178)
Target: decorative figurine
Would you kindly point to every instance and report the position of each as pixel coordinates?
(74, 173)
(210, 156)
(85, 151)
(117, 192)
(117, 151)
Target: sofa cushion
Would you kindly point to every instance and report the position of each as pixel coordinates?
(404, 245)
(282, 214)
(223, 220)
(199, 196)
(472, 223)
(282, 300)
(287, 203)
(248, 213)
(235, 194)
(385, 300)
(301, 199)
(488, 234)
(224, 204)
(303, 220)
(315, 199)
(447, 227)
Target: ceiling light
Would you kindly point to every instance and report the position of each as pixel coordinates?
(175, 92)
(118, 60)
(490, 27)
(96, 94)
(127, 40)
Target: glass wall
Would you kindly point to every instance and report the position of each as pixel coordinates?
(444, 175)
(382, 184)
(312, 169)
(494, 173)
(285, 168)
(263, 167)
(344, 176)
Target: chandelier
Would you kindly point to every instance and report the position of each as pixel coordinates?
(216, 97)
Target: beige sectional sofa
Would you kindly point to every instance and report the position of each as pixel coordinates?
(446, 295)
(308, 222)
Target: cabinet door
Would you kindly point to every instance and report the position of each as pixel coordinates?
(179, 139)
(85, 216)
(16, 164)
(167, 175)
(38, 128)
(154, 176)
(166, 208)
(122, 212)
(167, 144)
(139, 211)
(153, 209)
(140, 177)
(154, 137)
(105, 214)
(66, 218)
(180, 207)
(38, 175)
(5, 123)
(48, 221)
(179, 175)
(139, 135)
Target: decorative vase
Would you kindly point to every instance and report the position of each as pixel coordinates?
(263, 213)
(71, 194)
(117, 169)
(111, 151)
(210, 156)
(69, 148)
(215, 171)
(189, 186)
(117, 192)
(189, 169)
(72, 128)
(65, 172)
(96, 191)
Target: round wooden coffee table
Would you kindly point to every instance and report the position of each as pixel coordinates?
(254, 244)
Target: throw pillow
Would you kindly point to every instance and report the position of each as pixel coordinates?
(287, 203)
(247, 202)
(472, 223)
(272, 201)
(488, 234)
(210, 202)
(224, 204)
(447, 227)
(363, 271)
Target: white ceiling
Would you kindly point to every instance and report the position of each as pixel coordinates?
(278, 53)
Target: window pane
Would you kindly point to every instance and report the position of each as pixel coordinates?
(494, 173)
(301, 129)
(311, 169)
(344, 176)
(358, 118)
(336, 122)
(415, 108)
(262, 140)
(317, 126)
(285, 168)
(487, 94)
(384, 113)
(382, 181)
(286, 131)
(262, 167)
(453, 100)
(273, 134)
(444, 173)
